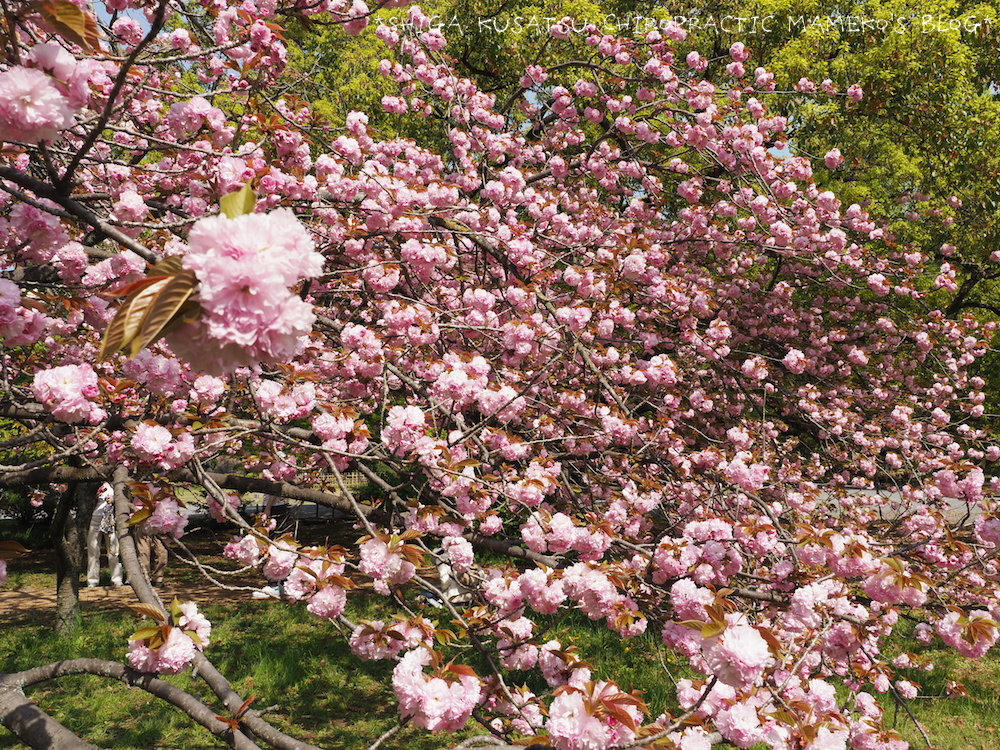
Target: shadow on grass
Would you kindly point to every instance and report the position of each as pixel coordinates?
(299, 668)
(970, 722)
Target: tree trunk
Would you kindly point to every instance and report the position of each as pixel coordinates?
(69, 533)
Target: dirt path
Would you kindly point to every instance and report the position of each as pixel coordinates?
(29, 597)
(32, 605)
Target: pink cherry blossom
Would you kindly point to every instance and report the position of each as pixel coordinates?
(66, 391)
(32, 109)
(738, 656)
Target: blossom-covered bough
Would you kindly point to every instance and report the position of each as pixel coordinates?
(614, 335)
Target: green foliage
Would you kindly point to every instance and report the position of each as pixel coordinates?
(959, 699)
(491, 43)
(29, 522)
(927, 129)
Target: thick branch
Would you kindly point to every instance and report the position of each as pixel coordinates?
(205, 669)
(52, 475)
(34, 727)
(63, 474)
(78, 210)
(186, 702)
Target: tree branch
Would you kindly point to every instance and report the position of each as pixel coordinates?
(34, 727)
(186, 702)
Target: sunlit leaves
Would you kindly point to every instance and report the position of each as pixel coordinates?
(238, 203)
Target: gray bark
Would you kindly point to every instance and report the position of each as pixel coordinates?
(34, 727)
(69, 534)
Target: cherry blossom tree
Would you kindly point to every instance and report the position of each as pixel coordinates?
(611, 350)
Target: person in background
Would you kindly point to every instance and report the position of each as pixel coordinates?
(276, 510)
(152, 556)
(102, 524)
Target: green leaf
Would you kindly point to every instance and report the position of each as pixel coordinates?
(238, 203)
(143, 633)
(167, 266)
(129, 318)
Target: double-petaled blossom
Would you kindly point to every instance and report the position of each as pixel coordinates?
(170, 647)
(245, 268)
(433, 702)
(67, 392)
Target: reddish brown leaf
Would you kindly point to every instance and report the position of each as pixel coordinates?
(773, 643)
(623, 716)
(233, 724)
(163, 309)
(167, 266)
(128, 320)
(147, 610)
(71, 22)
(246, 704)
(462, 669)
(11, 549)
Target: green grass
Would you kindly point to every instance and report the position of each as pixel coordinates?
(969, 723)
(296, 665)
(301, 668)
(290, 660)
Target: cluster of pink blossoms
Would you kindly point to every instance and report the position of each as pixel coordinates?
(739, 656)
(304, 574)
(376, 640)
(37, 102)
(245, 268)
(154, 443)
(218, 512)
(19, 325)
(404, 426)
(385, 564)
(246, 550)
(971, 635)
(167, 518)
(574, 724)
(548, 417)
(188, 635)
(459, 552)
(66, 391)
(433, 703)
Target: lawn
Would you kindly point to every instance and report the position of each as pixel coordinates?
(301, 670)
